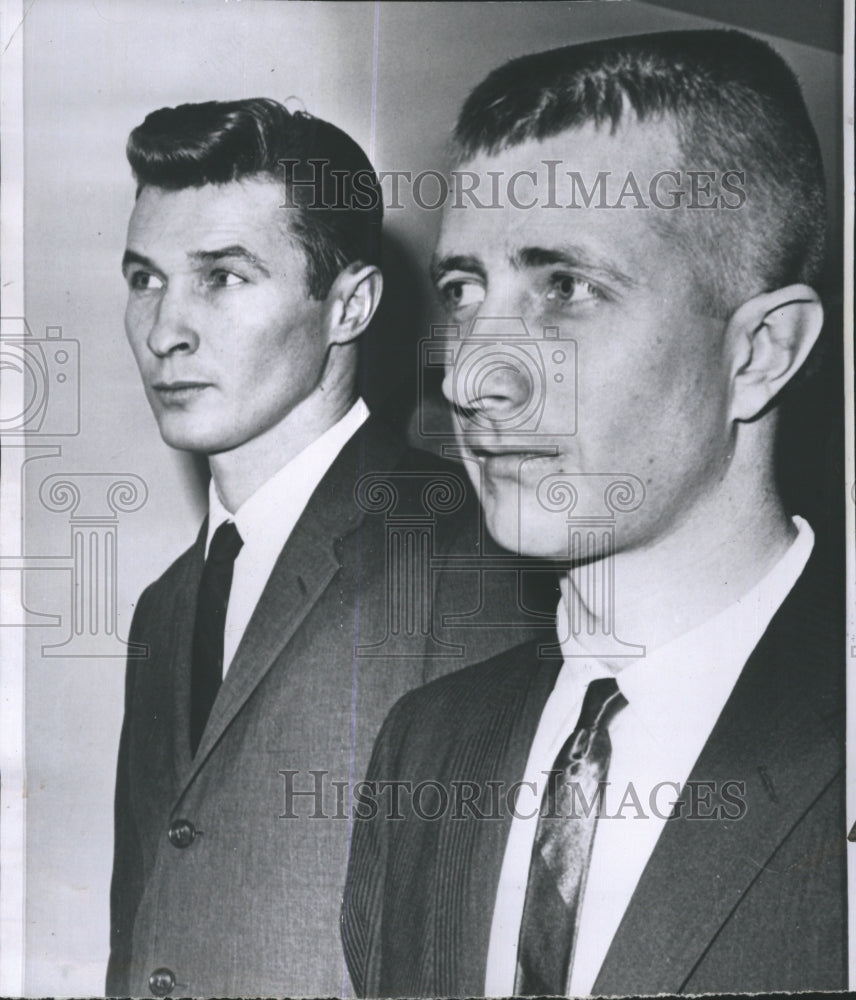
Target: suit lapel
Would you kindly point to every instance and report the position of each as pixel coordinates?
(181, 653)
(500, 751)
(775, 735)
(303, 571)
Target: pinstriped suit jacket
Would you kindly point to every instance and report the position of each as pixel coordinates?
(757, 904)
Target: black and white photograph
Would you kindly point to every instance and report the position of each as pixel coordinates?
(428, 515)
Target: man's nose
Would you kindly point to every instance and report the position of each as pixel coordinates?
(173, 330)
(495, 371)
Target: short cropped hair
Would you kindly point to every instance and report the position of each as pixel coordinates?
(736, 105)
(331, 194)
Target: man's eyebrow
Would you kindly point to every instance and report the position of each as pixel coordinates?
(441, 266)
(132, 257)
(573, 257)
(231, 252)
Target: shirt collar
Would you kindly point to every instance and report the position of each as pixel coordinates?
(272, 511)
(680, 688)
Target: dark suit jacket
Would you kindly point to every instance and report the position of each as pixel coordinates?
(751, 904)
(251, 905)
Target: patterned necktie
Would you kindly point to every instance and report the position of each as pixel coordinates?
(212, 601)
(562, 849)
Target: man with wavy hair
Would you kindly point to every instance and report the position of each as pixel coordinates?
(278, 641)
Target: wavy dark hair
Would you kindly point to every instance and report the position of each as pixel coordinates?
(330, 190)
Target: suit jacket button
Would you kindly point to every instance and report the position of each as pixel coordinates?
(181, 833)
(161, 982)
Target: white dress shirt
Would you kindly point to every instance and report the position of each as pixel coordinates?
(266, 519)
(674, 696)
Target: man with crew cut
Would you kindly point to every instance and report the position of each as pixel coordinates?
(657, 804)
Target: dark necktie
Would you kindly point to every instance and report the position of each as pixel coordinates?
(562, 849)
(211, 604)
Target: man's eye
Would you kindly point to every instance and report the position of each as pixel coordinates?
(567, 288)
(457, 295)
(144, 281)
(225, 279)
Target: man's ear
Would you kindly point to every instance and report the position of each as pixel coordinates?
(773, 333)
(352, 301)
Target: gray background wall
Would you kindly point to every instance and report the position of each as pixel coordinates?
(393, 76)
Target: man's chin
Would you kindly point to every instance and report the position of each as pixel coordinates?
(526, 536)
(186, 439)
(499, 519)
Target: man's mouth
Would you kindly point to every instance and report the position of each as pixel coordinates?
(509, 459)
(178, 392)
